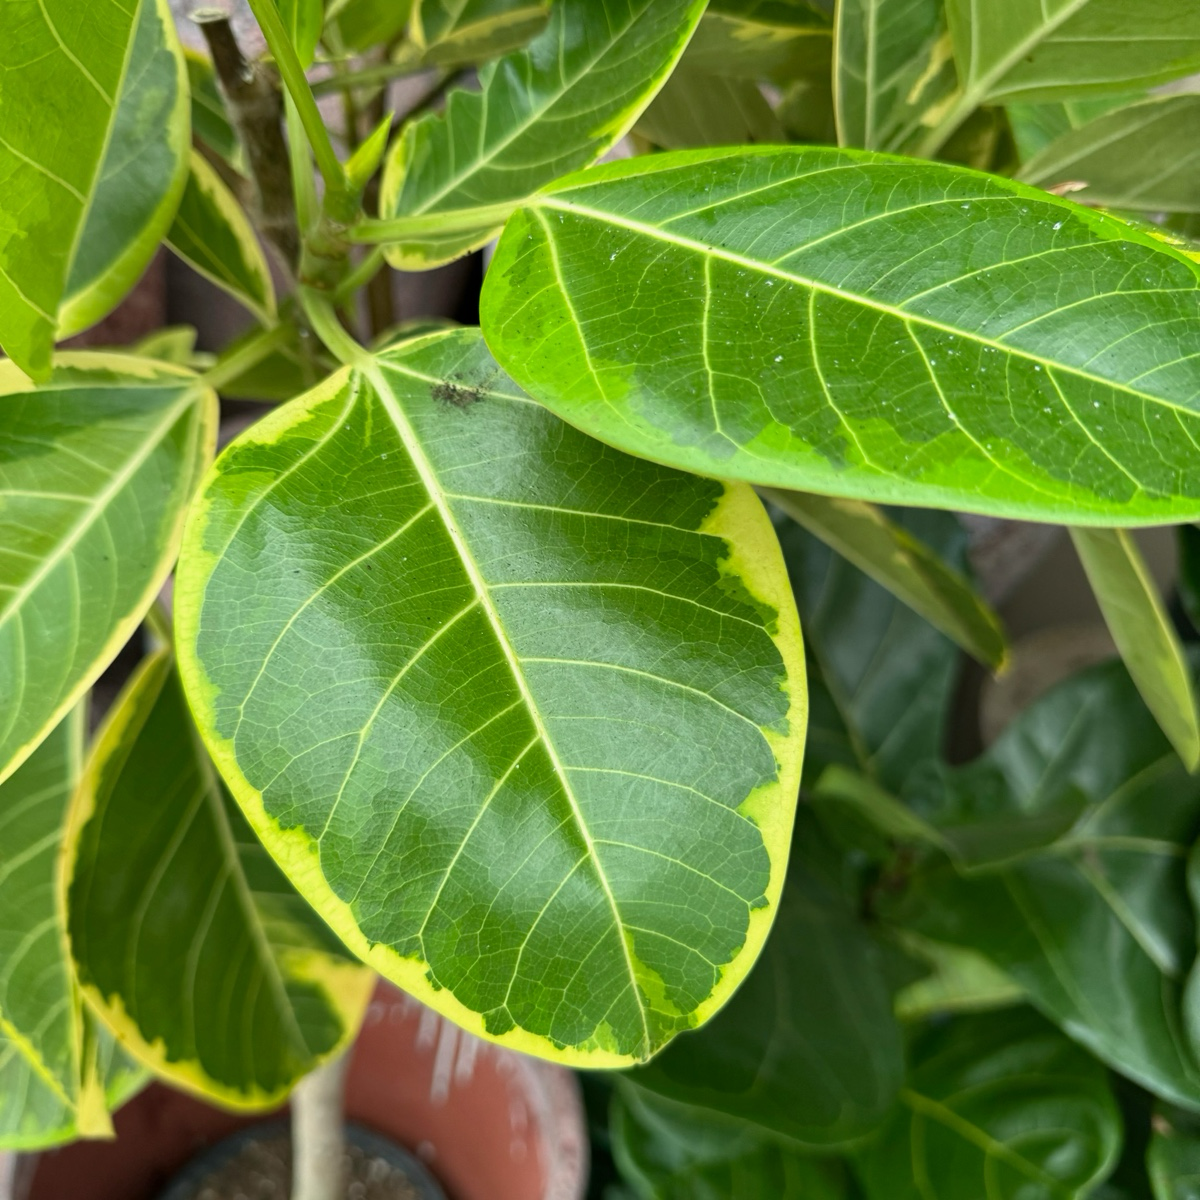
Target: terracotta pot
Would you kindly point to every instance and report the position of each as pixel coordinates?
(489, 1124)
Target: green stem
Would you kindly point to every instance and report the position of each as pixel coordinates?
(250, 355)
(452, 221)
(329, 329)
(361, 275)
(296, 83)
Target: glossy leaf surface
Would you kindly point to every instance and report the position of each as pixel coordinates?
(93, 141)
(96, 468)
(212, 233)
(672, 1152)
(892, 62)
(1029, 358)
(543, 769)
(905, 566)
(540, 112)
(51, 1088)
(1096, 927)
(455, 32)
(1142, 629)
(1141, 157)
(186, 937)
(880, 678)
(1001, 1106)
(807, 1049)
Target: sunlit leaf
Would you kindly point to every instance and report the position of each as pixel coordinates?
(96, 469)
(1001, 1106)
(543, 768)
(187, 939)
(93, 149)
(844, 323)
(1141, 627)
(540, 112)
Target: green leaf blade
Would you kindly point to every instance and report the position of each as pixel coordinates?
(587, 77)
(90, 203)
(213, 972)
(532, 627)
(96, 470)
(1142, 629)
(886, 365)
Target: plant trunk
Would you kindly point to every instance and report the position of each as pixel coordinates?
(318, 1144)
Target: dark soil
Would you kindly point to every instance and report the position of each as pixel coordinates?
(262, 1170)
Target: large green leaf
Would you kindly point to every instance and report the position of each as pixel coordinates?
(187, 939)
(701, 108)
(1001, 1106)
(455, 32)
(1096, 927)
(851, 324)
(93, 156)
(1140, 157)
(893, 63)
(96, 469)
(1035, 126)
(1064, 49)
(212, 234)
(669, 1151)
(520, 715)
(452, 178)
(884, 550)
(779, 40)
(1144, 634)
(56, 1081)
(807, 1049)
(881, 678)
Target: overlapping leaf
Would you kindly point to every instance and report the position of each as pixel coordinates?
(187, 939)
(55, 1082)
(96, 469)
(1141, 157)
(1173, 1159)
(212, 233)
(1001, 1106)
(701, 108)
(93, 149)
(454, 32)
(807, 1049)
(850, 324)
(1096, 926)
(520, 715)
(452, 178)
(779, 40)
(672, 1152)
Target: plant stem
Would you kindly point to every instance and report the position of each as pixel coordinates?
(329, 329)
(246, 356)
(318, 1141)
(256, 110)
(296, 83)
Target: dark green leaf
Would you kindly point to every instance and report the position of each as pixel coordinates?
(96, 469)
(807, 1049)
(881, 678)
(210, 121)
(1029, 358)
(779, 40)
(1002, 1106)
(456, 32)
(909, 569)
(452, 178)
(1173, 1159)
(212, 234)
(93, 145)
(699, 108)
(543, 769)
(672, 1152)
(958, 981)
(1095, 927)
(1143, 157)
(186, 938)
(1144, 634)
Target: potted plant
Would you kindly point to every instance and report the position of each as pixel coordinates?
(482, 670)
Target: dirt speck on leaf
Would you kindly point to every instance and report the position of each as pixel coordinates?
(456, 394)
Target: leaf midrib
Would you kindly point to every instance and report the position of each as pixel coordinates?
(434, 489)
(891, 310)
